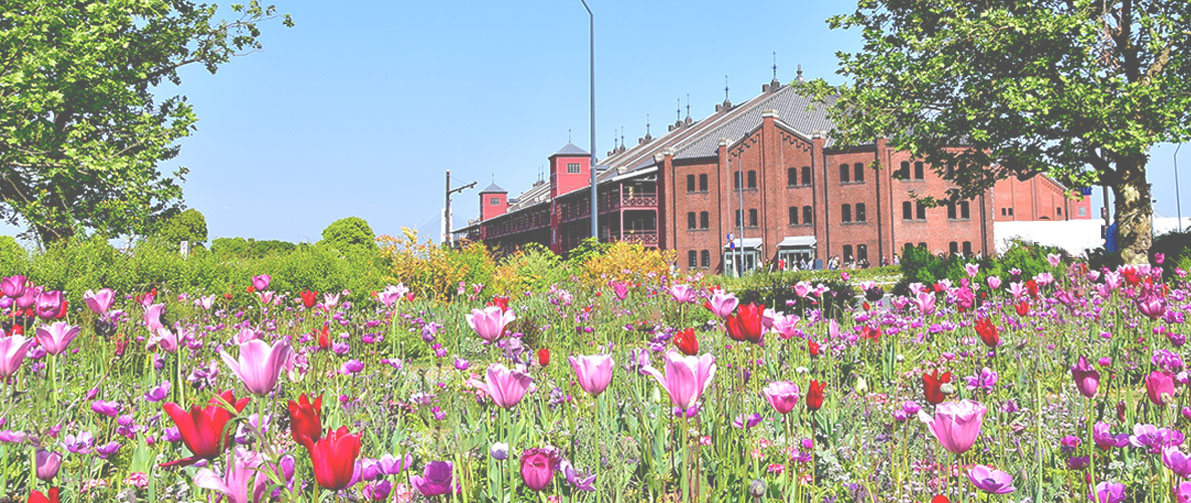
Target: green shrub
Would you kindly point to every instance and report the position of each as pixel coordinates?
(228, 248)
(350, 232)
(189, 225)
(1176, 246)
(14, 258)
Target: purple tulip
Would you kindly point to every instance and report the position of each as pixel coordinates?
(504, 386)
(745, 422)
(956, 424)
(352, 366)
(782, 395)
(12, 353)
(1087, 379)
(49, 304)
(686, 378)
(489, 323)
(1109, 492)
(110, 409)
(13, 286)
(242, 481)
(1182, 492)
(594, 372)
(47, 464)
(436, 479)
(391, 465)
(99, 302)
(991, 480)
(107, 449)
(1159, 387)
(56, 336)
(1178, 462)
(461, 364)
(159, 392)
(537, 467)
(499, 451)
(29, 298)
(259, 364)
(580, 483)
(1151, 305)
(13, 437)
(82, 443)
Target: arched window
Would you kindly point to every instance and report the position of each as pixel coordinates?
(951, 211)
(907, 211)
(919, 171)
(806, 175)
(921, 210)
(965, 210)
(703, 183)
(690, 220)
(704, 220)
(807, 215)
(752, 179)
(753, 217)
(706, 259)
(692, 258)
(844, 174)
(791, 177)
(953, 247)
(904, 172)
(846, 213)
(690, 183)
(860, 214)
(858, 172)
(793, 215)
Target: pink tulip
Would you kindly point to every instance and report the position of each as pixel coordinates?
(489, 323)
(391, 294)
(1153, 306)
(972, 270)
(1087, 379)
(722, 303)
(12, 353)
(162, 338)
(29, 298)
(620, 290)
(261, 282)
(956, 424)
(682, 294)
(243, 468)
(49, 304)
(802, 289)
(782, 395)
(994, 282)
(991, 480)
(686, 378)
(504, 386)
(100, 301)
(56, 336)
(1178, 462)
(13, 286)
(1160, 387)
(593, 372)
(259, 364)
(153, 316)
(925, 302)
(1018, 290)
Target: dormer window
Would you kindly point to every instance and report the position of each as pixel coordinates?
(572, 168)
(495, 201)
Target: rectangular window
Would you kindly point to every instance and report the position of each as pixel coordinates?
(847, 253)
(495, 201)
(736, 180)
(692, 259)
(1083, 212)
(967, 247)
(921, 211)
(846, 213)
(739, 217)
(791, 177)
(807, 215)
(793, 215)
(703, 183)
(753, 217)
(953, 247)
(752, 179)
(951, 211)
(1010, 211)
(1059, 211)
(704, 220)
(919, 171)
(858, 172)
(572, 167)
(844, 174)
(907, 211)
(706, 259)
(965, 210)
(690, 183)
(690, 220)
(860, 214)
(904, 172)
(806, 175)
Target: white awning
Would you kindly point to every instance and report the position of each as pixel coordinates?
(749, 243)
(798, 242)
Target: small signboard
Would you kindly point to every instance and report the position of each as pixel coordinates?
(184, 248)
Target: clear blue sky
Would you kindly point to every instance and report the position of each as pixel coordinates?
(357, 111)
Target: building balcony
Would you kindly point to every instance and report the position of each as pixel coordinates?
(647, 201)
(642, 237)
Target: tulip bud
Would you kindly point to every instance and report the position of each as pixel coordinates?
(757, 488)
(947, 389)
(499, 451)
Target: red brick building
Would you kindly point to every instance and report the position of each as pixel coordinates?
(758, 184)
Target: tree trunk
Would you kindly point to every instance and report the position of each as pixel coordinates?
(1134, 214)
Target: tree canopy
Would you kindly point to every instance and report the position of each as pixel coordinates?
(351, 233)
(83, 129)
(1077, 89)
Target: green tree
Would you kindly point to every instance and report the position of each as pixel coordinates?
(1076, 89)
(351, 233)
(189, 225)
(82, 128)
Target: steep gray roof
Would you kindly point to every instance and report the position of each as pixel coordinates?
(570, 149)
(800, 113)
(494, 188)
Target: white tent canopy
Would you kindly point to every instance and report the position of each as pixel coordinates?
(798, 242)
(749, 244)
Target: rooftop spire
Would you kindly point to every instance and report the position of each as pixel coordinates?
(678, 111)
(800, 73)
(688, 110)
(774, 84)
(648, 137)
(568, 135)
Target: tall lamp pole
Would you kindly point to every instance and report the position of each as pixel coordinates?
(446, 211)
(1177, 202)
(595, 225)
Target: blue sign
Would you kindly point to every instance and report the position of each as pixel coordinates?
(1086, 191)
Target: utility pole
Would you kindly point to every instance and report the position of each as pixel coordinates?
(595, 225)
(1178, 204)
(446, 213)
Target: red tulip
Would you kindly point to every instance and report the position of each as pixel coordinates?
(500, 301)
(324, 337)
(873, 333)
(940, 499)
(1023, 308)
(305, 422)
(814, 395)
(202, 428)
(62, 312)
(988, 332)
(1032, 286)
(334, 458)
(932, 384)
(812, 347)
(745, 325)
(309, 298)
(686, 342)
(543, 357)
(51, 496)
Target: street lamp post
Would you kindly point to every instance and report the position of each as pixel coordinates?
(1178, 204)
(595, 226)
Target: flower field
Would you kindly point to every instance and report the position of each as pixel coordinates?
(1063, 386)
